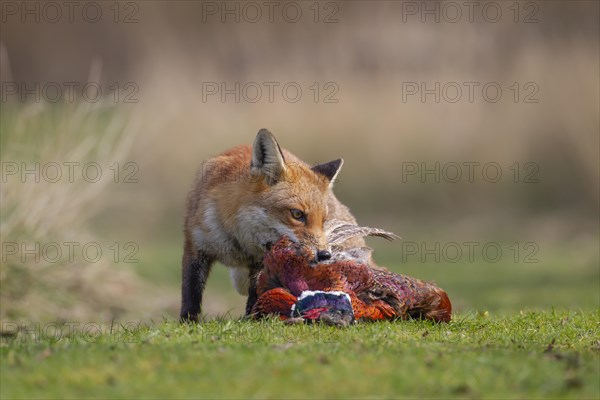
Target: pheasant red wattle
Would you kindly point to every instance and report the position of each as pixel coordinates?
(374, 292)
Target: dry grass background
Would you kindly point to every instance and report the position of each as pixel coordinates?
(47, 212)
(368, 54)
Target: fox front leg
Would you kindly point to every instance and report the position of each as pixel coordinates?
(194, 273)
(252, 294)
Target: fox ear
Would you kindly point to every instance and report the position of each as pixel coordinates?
(267, 158)
(330, 169)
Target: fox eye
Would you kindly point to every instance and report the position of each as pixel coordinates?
(297, 214)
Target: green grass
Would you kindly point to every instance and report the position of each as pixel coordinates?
(523, 355)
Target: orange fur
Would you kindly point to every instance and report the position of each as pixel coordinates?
(241, 202)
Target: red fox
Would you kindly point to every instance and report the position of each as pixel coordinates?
(244, 200)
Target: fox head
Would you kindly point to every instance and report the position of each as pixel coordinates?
(291, 198)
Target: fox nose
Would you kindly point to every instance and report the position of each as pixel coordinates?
(323, 255)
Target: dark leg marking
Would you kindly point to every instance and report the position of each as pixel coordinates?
(195, 272)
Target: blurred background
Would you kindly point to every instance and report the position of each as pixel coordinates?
(470, 131)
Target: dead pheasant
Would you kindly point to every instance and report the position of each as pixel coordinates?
(344, 288)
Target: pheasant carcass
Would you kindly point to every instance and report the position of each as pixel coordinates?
(344, 288)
